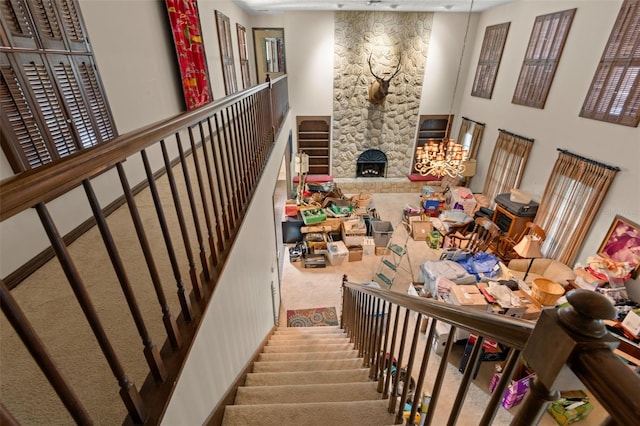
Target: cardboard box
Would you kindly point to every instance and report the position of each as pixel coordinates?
(337, 252)
(354, 231)
(420, 230)
(468, 295)
(572, 407)
(457, 199)
(381, 251)
(355, 253)
(517, 389)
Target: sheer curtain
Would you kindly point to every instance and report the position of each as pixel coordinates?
(477, 129)
(571, 200)
(507, 165)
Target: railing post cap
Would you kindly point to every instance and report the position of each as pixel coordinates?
(586, 311)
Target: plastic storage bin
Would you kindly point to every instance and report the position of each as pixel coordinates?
(337, 252)
(381, 230)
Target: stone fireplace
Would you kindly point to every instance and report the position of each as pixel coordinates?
(371, 163)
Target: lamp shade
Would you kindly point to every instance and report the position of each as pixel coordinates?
(528, 247)
(469, 167)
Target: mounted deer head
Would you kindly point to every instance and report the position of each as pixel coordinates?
(379, 88)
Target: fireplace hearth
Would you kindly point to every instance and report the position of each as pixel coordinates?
(371, 163)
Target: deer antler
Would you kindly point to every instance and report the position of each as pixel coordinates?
(394, 73)
(397, 67)
(371, 68)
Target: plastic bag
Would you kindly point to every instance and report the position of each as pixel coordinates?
(482, 263)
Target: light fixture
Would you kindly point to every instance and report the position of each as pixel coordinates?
(445, 157)
(441, 158)
(528, 248)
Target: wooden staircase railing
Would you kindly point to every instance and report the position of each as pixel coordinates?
(221, 149)
(565, 345)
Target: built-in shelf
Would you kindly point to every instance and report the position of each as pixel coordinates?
(314, 140)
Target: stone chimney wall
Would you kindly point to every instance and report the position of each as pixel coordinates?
(358, 124)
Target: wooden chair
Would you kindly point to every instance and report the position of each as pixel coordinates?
(504, 249)
(483, 234)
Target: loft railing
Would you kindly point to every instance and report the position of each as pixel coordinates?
(212, 159)
(565, 345)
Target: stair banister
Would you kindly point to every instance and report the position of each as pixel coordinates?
(569, 348)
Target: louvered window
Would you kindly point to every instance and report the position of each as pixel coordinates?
(226, 53)
(542, 57)
(244, 59)
(614, 95)
(51, 97)
(495, 37)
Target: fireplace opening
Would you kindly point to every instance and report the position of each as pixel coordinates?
(371, 163)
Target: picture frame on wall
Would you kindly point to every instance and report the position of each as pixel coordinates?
(622, 243)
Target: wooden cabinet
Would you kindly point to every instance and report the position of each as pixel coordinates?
(509, 223)
(313, 140)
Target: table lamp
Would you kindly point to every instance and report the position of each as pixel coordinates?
(528, 248)
(469, 170)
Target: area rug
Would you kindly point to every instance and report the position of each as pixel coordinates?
(314, 317)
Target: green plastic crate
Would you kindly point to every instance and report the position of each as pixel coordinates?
(313, 216)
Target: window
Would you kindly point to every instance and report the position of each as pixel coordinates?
(226, 53)
(575, 182)
(51, 97)
(614, 95)
(541, 58)
(507, 164)
(244, 60)
(470, 136)
(495, 37)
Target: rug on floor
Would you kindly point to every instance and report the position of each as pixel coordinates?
(313, 317)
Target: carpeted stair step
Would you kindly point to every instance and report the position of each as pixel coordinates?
(307, 337)
(308, 330)
(320, 341)
(333, 392)
(307, 377)
(366, 413)
(281, 366)
(307, 356)
(311, 347)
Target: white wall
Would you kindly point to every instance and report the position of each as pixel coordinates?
(558, 124)
(241, 314)
(140, 74)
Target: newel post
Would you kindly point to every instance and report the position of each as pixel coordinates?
(558, 335)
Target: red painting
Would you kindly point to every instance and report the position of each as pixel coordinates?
(185, 25)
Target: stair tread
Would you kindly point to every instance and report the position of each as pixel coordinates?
(333, 340)
(307, 377)
(306, 356)
(323, 392)
(308, 347)
(310, 414)
(319, 329)
(307, 337)
(331, 364)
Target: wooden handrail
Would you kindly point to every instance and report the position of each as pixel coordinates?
(23, 191)
(512, 332)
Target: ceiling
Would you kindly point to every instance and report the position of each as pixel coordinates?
(262, 7)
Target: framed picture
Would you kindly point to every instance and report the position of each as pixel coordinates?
(622, 243)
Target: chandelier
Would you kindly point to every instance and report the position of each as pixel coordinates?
(439, 158)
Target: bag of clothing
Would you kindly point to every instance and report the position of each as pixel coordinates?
(482, 263)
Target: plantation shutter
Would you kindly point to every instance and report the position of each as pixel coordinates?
(51, 97)
(614, 95)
